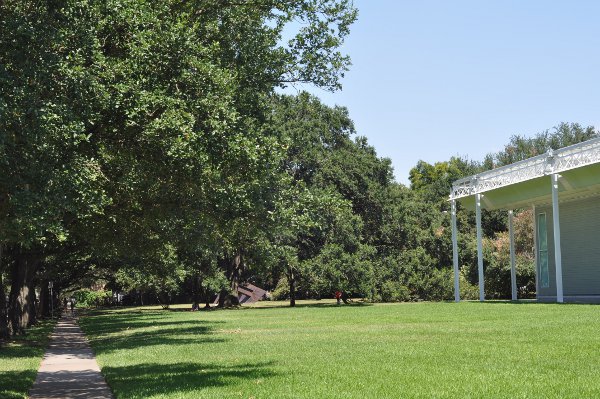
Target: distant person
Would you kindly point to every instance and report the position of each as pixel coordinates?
(72, 305)
(338, 297)
(65, 304)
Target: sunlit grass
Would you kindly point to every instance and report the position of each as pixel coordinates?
(20, 359)
(319, 350)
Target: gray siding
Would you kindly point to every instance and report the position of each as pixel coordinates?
(580, 245)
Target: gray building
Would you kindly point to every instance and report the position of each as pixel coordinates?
(563, 189)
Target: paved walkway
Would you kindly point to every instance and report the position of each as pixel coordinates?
(69, 368)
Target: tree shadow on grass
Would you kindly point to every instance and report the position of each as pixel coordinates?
(195, 335)
(14, 384)
(106, 322)
(310, 305)
(16, 379)
(145, 380)
(18, 350)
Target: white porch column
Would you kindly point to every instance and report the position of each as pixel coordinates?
(513, 272)
(455, 251)
(557, 252)
(479, 246)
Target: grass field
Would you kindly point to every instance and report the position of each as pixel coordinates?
(20, 359)
(319, 350)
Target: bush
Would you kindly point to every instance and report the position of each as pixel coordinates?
(87, 298)
(393, 291)
(467, 290)
(282, 290)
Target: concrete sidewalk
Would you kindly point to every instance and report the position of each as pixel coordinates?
(69, 368)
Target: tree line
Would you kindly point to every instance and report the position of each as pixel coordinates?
(145, 144)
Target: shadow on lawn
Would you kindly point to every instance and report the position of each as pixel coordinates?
(146, 380)
(310, 305)
(105, 322)
(109, 333)
(17, 350)
(14, 384)
(160, 336)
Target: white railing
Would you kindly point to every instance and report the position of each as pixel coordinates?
(575, 156)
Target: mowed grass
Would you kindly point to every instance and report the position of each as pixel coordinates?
(20, 359)
(411, 350)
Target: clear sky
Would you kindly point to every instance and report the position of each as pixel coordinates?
(433, 79)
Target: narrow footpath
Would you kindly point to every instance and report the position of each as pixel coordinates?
(69, 368)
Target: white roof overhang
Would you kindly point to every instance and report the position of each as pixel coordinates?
(526, 183)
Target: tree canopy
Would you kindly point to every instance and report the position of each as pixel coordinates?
(145, 148)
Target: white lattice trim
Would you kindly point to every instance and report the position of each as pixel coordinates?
(567, 158)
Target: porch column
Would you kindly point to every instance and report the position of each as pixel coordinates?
(513, 273)
(557, 252)
(455, 251)
(479, 246)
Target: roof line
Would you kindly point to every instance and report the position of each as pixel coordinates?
(554, 161)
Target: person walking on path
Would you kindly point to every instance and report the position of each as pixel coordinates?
(69, 368)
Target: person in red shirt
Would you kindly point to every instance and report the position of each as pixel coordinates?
(338, 296)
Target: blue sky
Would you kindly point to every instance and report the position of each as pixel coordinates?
(433, 79)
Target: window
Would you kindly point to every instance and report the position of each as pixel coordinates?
(543, 250)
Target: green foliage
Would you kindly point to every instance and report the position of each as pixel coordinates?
(87, 298)
(160, 274)
(520, 147)
(468, 291)
(144, 142)
(214, 282)
(393, 291)
(282, 290)
(133, 128)
(336, 269)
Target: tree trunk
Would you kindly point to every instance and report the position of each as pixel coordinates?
(233, 267)
(44, 300)
(195, 292)
(292, 281)
(31, 304)
(236, 269)
(20, 304)
(4, 331)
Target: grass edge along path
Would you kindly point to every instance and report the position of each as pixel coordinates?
(319, 350)
(20, 359)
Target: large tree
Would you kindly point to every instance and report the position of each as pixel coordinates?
(126, 121)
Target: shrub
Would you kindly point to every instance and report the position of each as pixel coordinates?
(394, 291)
(282, 290)
(88, 298)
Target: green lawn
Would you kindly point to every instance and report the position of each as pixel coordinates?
(20, 359)
(425, 350)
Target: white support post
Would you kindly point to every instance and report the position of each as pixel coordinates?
(557, 252)
(479, 246)
(513, 272)
(535, 250)
(455, 252)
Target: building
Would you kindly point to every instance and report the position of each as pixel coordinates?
(563, 188)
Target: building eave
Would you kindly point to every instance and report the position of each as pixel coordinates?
(578, 163)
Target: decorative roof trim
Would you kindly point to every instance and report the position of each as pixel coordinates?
(567, 158)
